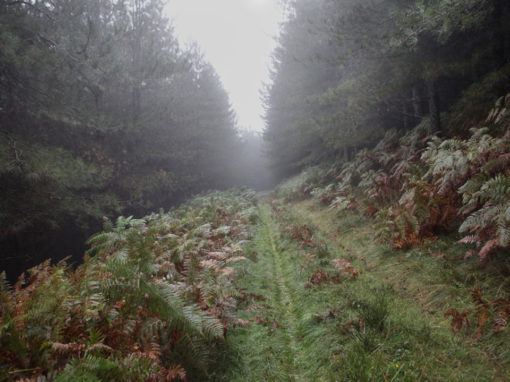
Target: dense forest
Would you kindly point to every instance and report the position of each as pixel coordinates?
(382, 255)
(102, 114)
(345, 72)
(391, 98)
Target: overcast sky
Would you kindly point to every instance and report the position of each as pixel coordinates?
(237, 37)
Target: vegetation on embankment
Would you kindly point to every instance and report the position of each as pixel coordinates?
(417, 185)
(329, 303)
(312, 296)
(153, 300)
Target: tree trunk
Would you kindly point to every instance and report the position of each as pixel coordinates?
(435, 117)
(500, 36)
(135, 104)
(137, 62)
(418, 112)
(405, 113)
(353, 153)
(19, 243)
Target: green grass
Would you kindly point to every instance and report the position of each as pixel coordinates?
(268, 347)
(386, 325)
(419, 289)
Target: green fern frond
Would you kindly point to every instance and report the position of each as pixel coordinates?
(4, 284)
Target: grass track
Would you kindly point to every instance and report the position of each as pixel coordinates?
(269, 348)
(404, 336)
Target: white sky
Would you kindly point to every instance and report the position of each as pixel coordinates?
(237, 38)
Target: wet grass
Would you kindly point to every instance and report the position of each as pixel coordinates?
(387, 324)
(420, 284)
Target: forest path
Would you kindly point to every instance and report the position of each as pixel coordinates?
(270, 349)
(379, 318)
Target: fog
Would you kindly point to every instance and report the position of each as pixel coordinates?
(105, 111)
(237, 37)
(141, 144)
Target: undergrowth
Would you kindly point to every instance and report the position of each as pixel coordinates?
(417, 186)
(154, 299)
(321, 312)
(390, 321)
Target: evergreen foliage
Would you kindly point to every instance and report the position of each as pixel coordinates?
(102, 113)
(346, 72)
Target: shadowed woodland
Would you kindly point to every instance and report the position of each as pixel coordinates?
(103, 114)
(382, 255)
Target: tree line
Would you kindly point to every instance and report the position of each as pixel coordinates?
(103, 113)
(347, 71)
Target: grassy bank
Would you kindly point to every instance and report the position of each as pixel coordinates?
(328, 303)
